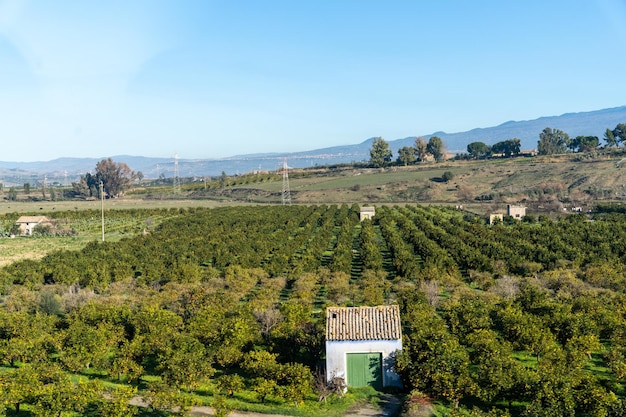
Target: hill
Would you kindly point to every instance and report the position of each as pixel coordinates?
(68, 169)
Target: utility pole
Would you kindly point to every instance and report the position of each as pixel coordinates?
(176, 181)
(286, 190)
(102, 206)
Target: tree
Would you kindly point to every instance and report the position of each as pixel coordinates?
(380, 154)
(478, 150)
(12, 194)
(19, 386)
(436, 148)
(115, 402)
(116, 177)
(620, 133)
(433, 360)
(584, 143)
(447, 176)
(406, 155)
(185, 364)
(509, 147)
(552, 141)
(497, 372)
(85, 345)
(421, 149)
(609, 138)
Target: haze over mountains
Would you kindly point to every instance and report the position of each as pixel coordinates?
(64, 170)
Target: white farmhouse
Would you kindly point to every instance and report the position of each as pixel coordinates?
(26, 224)
(517, 212)
(361, 343)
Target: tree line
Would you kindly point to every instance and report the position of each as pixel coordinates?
(381, 155)
(551, 141)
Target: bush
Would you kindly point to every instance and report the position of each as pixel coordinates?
(447, 176)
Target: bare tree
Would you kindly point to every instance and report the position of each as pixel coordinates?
(116, 177)
(431, 289)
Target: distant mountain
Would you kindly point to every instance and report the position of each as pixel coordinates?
(65, 170)
(593, 123)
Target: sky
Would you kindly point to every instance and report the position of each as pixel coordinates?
(211, 79)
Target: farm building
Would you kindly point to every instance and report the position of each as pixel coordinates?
(367, 213)
(361, 343)
(26, 224)
(495, 217)
(517, 212)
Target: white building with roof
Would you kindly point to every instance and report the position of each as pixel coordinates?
(367, 212)
(361, 344)
(26, 224)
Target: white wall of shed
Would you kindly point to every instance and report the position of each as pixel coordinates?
(336, 357)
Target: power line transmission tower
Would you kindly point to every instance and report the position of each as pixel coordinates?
(286, 190)
(176, 177)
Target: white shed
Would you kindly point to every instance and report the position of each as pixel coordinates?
(361, 344)
(367, 213)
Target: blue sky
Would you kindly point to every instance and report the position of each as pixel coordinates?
(211, 79)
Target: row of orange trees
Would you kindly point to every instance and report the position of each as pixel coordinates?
(525, 316)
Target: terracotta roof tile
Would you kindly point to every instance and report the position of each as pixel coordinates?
(363, 323)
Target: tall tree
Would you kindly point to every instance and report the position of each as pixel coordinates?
(115, 176)
(584, 143)
(478, 150)
(436, 148)
(609, 138)
(552, 141)
(421, 149)
(509, 147)
(406, 155)
(620, 133)
(380, 154)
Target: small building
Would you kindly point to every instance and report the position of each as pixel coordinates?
(496, 217)
(361, 345)
(367, 213)
(517, 212)
(26, 224)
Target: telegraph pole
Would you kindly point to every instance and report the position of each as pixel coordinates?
(102, 206)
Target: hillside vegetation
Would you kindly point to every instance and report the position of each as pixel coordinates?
(224, 307)
(543, 183)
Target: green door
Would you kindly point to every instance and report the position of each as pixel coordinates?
(365, 369)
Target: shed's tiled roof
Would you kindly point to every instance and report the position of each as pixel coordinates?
(363, 323)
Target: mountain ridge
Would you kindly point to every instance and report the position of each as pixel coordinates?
(592, 123)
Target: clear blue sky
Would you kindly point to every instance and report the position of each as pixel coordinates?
(210, 79)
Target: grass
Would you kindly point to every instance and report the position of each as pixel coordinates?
(574, 179)
(89, 229)
(13, 250)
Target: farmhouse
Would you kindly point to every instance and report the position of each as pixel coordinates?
(367, 213)
(361, 344)
(26, 224)
(517, 212)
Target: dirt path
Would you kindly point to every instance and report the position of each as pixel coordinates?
(390, 406)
